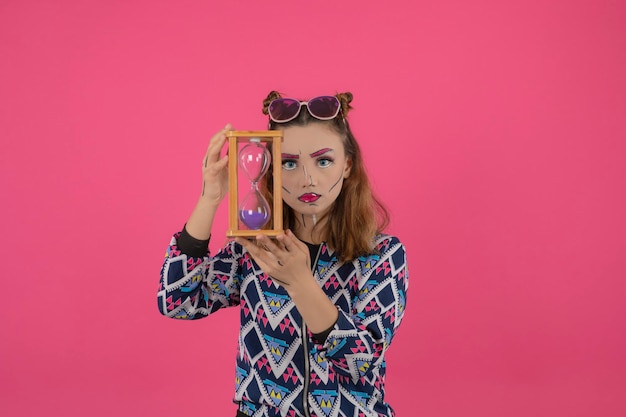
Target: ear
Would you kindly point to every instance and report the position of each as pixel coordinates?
(347, 168)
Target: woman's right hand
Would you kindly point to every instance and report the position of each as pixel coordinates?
(215, 170)
(214, 187)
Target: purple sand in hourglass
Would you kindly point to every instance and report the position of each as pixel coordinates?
(253, 219)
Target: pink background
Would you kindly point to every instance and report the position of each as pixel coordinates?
(495, 131)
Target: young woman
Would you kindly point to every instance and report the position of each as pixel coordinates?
(319, 304)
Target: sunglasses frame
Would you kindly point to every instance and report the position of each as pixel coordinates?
(305, 104)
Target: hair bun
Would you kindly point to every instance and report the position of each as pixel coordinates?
(273, 95)
(345, 99)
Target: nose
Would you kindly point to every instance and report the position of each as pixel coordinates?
(307, 179)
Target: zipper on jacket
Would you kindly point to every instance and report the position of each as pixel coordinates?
(305, 346)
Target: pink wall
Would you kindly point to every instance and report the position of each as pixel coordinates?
(494, 130)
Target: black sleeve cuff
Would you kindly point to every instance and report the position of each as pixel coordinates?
(191, 246)
(321, 337)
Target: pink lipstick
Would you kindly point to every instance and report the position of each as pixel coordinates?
(309, 197)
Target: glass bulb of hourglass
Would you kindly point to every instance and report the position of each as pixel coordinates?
(254, 159)
(254, 210)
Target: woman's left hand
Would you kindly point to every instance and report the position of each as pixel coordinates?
(286, 259)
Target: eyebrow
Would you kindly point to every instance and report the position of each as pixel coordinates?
(320, 152)
(312, 155)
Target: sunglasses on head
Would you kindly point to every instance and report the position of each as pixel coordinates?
(282, 110)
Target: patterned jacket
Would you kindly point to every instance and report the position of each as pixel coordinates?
(282, 370)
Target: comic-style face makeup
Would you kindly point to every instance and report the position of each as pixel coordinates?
(314, 166)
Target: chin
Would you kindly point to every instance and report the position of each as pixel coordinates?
(315, 211)
(307, 210)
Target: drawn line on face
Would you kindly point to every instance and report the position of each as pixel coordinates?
(306, 174)
(285, 190)
(335, 184)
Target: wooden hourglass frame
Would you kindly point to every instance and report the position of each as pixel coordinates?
(235, 138)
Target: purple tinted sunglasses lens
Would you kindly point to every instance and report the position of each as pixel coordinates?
(284, 109)
(325, 107)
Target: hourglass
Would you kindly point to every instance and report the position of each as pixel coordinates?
(254, 160)
(249, 160)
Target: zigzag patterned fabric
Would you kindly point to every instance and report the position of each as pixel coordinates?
(282, 370)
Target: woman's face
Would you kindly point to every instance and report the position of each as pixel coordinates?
(314, 166)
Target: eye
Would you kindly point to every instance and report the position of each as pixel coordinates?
(289, 164)
(324, 162)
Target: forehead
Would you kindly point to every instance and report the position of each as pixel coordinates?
(310, 138)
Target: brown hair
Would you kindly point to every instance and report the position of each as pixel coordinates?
(357, 215)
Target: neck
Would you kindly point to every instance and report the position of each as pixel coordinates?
(309, 228)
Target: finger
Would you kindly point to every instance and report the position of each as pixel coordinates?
(280, 242)
(282, 246)
(257, 250)
(215, 145)
(245, 243)
(267, 261)
(285, 242)
(294, 243)
(252, 249)
(219, 136)
(222, 163)
(267, 243)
